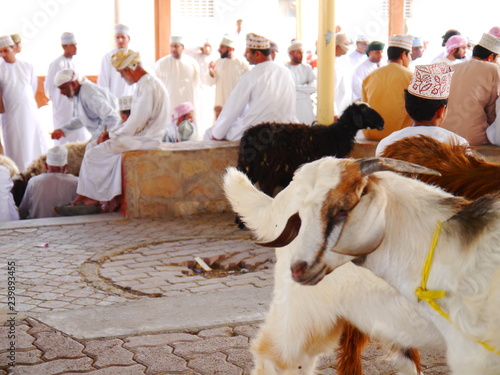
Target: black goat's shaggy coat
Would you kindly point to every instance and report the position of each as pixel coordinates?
(270, 153)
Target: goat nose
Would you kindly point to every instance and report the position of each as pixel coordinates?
(298, 269)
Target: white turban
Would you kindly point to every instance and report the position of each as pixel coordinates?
(125, 58)
(64, 76)
(57, 156)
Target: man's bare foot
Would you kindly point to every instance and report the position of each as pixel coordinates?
(86, 201)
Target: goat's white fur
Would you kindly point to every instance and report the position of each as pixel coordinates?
(468, 269)
(299, 313)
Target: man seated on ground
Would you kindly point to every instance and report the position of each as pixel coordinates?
(8, 209)
(183, 126)
(51, 189)
(95, 106)
(425, 101)
(100, 182)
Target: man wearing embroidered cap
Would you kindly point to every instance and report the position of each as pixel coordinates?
(100, 181)
(305, 83)
(225, 72)
(425, 101)
(95, 107)
(264, 94)
(22, 133)
(179, 73)
(474, 92)
(50, 189)
(62, 107)
(374, 51)
(384, 88)
(108, 76)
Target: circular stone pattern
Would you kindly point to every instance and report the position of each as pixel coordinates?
(170, 268)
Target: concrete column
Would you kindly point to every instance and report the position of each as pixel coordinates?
(326, 61)
(298, 20)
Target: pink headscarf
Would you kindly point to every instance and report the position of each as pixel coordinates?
(454, 42)
(495, 31)
(181, 110)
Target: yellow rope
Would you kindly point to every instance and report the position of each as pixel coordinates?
(430, 296)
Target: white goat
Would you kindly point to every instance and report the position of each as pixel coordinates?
(352, 210)
(305, 321)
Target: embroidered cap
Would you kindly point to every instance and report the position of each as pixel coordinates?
(228, 42)
(125, 103)
(68, 38)
(176, 39)
(431, 81)
(401, 41)
(57, 156)
(255, 41)
(490, 42)
(417, 42)
(122, 30)
(295, 46)
(6, 41)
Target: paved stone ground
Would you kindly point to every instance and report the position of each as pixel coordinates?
(68, 265)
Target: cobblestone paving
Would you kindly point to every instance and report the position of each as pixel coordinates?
(68, 267)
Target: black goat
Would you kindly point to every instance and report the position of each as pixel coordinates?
(270, 153)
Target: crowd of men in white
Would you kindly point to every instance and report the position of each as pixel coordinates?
(193, 96)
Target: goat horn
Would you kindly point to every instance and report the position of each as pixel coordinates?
(291, 231)
(371, 165)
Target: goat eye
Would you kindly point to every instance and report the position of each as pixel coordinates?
(335, 220)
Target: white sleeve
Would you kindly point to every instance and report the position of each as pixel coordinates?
(493, 131)
(234, 107)
(103, 79)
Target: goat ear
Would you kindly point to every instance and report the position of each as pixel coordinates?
(371, 165)
(290, 232)
(365, 225)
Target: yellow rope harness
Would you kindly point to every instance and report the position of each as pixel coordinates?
(430, 296)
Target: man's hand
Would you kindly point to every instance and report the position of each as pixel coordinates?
(56, 134)
(103, 137)
(211, 68)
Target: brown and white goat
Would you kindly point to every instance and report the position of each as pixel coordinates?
(462, 172)
(359, 211)
(303, 321)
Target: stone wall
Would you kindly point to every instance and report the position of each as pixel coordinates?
(179, 179)
(183, 179)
